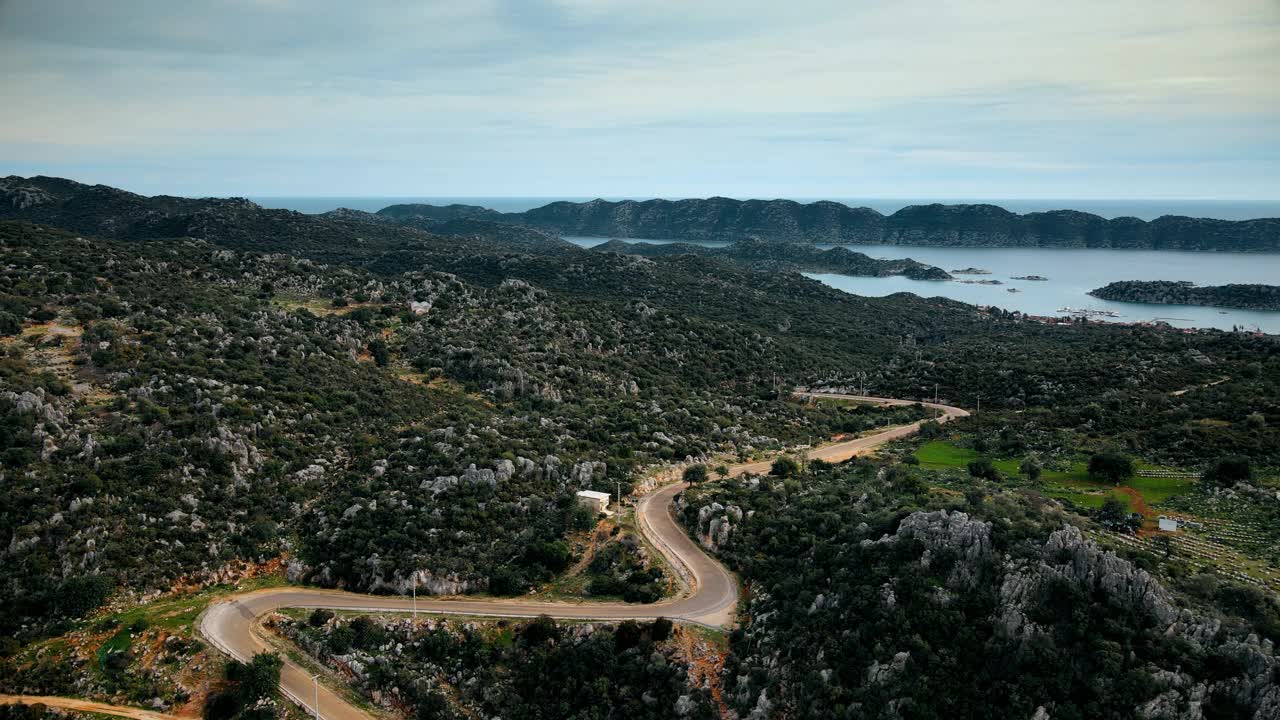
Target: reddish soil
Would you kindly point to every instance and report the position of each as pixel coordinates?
(1137, 504)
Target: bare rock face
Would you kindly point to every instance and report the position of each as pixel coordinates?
(1069, 557)
(1120, 581)
(954, 532)
(20, 196)
(882, 673)
(585, 473)
(426, 583)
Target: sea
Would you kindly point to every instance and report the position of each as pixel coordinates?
(1071, 273)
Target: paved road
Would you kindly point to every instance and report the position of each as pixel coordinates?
(84, 706)
(232, 624)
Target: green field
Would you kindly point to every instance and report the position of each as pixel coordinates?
(1072, 484)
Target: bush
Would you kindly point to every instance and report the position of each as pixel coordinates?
(320, 617)
(784, 467)
(539, 630)
(79, 595)
(985, 469)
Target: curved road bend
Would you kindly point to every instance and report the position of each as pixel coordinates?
(232, 623)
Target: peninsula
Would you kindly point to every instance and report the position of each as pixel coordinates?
(1167, 292)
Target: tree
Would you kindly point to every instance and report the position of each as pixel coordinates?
(1111, 467)
(660, 629)
(784, 467)
(1030, 468)
(695, 474)
(984, 468)
(722, 471)
(9, 324)
(258, 678)
(1228, 471)
(378, 349)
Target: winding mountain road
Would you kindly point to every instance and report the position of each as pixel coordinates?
(232, 624)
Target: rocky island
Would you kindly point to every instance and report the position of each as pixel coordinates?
(1166, 292)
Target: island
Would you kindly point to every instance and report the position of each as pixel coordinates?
(1035, 278)
(1185, 292)
(971, 271)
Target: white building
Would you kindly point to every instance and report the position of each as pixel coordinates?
(594, 500)
(1168, 524)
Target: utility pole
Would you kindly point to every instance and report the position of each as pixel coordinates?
(315, 704)
(975, 412)
(415, 595)
(619, 482)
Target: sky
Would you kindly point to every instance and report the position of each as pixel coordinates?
(658, 98)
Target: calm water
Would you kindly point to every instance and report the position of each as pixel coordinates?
(1145, 209)
(1072, 274)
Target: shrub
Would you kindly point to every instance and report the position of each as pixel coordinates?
(784, 467)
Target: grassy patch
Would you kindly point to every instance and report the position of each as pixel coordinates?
(316, 305)
(939, 454)
(1158, 490)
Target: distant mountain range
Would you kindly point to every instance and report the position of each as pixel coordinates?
(110, 212)
(237, 223)
(724, 219)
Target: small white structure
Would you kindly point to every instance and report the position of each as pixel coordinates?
(1168, 524)
(594, 500)
(419, 308)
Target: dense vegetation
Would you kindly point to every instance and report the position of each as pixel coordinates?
(1166, 292)
(797, 257)
(524, 671)
(871, 596)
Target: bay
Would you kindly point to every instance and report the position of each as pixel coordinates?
(1071, 274)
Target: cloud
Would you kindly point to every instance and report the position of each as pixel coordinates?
(588, 97)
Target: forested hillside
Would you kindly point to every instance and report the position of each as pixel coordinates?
(871, 596)
(191, 387)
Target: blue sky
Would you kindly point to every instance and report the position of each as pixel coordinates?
(893, 98)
